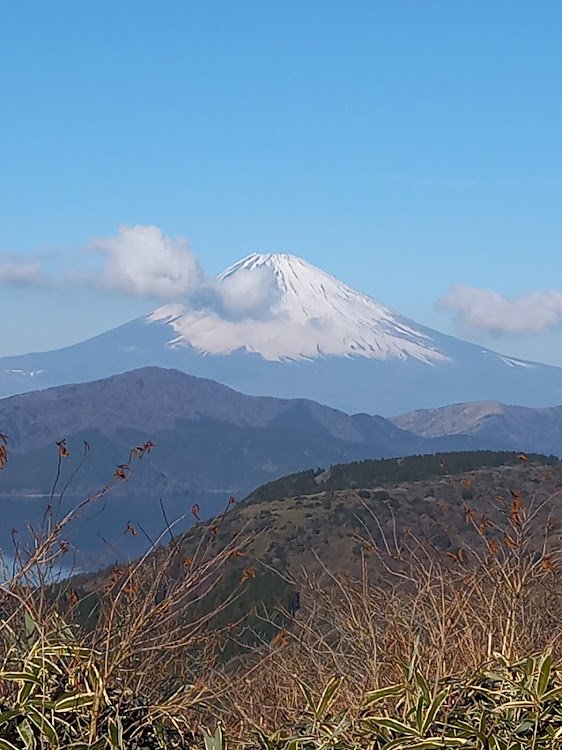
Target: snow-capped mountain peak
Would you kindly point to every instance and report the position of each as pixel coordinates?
(292, 330)
(281, 307)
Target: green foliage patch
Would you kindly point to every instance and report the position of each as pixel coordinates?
(372, 473)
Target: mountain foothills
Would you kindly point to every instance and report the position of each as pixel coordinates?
(328, 520)
(307, 335)
(212, 439)
(211, 442)
(209, 437)
(491, 424)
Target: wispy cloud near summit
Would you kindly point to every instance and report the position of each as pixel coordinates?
(142, 261)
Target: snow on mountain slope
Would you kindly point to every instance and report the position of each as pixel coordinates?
(273, 325)
(312, 314)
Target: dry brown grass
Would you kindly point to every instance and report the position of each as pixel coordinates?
(447, 613)
(141, 641)
(148, 632)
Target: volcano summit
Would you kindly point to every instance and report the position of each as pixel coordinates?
(311, 314)
(273, 324)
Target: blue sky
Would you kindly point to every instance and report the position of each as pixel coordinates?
(405, 146)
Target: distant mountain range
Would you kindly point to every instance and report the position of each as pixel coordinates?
(491, 424)
(212, 439)
(209, 436)
(211, 442)
(312, 337)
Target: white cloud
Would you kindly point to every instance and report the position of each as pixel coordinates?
(15, 270)
(247, 291)
(143, 261)
(484, 308)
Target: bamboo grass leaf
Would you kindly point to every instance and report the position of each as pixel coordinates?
(21, 677)
(327, 697)
(397, 726)
(373, 696)
(544, 674)
(74, 701)
(432, 710)
(27, 735)
(43, 725)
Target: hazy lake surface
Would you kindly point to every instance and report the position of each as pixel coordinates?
(99, 536)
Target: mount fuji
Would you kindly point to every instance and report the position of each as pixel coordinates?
(306, 334)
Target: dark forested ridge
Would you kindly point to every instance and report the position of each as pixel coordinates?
(373, 472)
(318, 516)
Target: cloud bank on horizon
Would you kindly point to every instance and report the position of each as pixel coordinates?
(489, 310)
(144, 262)
(15, 271)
